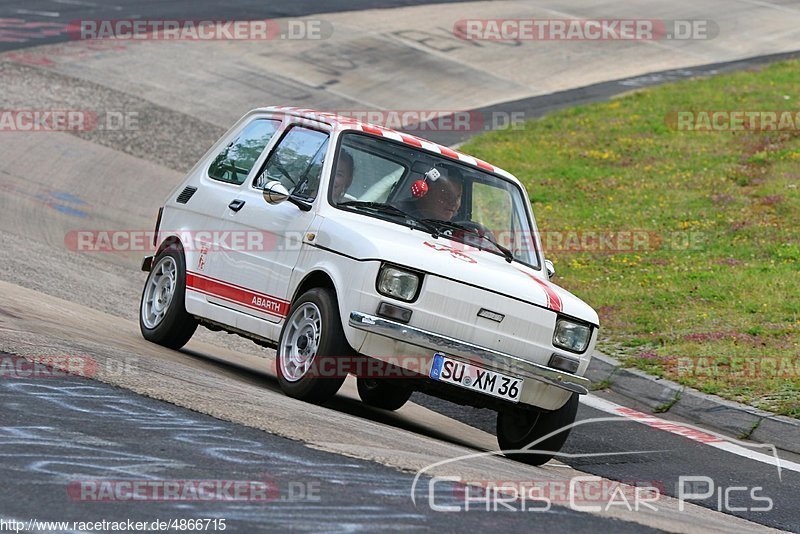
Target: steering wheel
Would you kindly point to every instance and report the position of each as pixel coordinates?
(478, 228)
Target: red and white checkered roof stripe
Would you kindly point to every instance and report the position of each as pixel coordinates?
(347, 123)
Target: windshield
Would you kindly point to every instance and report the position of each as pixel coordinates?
(402, 184)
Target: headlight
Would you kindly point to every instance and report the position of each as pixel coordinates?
(397, 283)
(572, 336)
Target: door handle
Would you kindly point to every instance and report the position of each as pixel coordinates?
(236, 204)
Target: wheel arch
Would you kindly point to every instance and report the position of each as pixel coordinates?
(316, 278)
(172, 240)
(330, 276)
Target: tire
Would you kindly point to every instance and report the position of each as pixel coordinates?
(382, 394)
(516, 429)
(162, 312)
(310, 347)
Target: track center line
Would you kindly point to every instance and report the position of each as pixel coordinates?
(694, 433)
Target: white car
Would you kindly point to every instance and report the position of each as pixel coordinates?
(352, 248)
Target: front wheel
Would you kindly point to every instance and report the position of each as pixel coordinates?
(162, 314)
(382, 394)
(517, 428)
(311, 347)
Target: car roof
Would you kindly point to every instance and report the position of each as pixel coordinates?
(340, 122)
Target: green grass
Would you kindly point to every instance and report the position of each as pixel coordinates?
(713, 299)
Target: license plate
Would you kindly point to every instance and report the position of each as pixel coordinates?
(469, 376)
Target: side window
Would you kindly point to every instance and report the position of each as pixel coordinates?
(296, 162)
(233, 164)
(309, 183)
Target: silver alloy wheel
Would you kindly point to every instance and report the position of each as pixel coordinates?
(159, 292)
(300, 341)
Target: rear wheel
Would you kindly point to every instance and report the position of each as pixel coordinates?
(162, 313)
(517, 428)
(311, 346)
(382, 393)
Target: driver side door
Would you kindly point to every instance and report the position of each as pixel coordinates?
(267, 239)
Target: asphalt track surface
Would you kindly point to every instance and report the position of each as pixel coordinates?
(675, 456)
(62, 431)
(75, 431)
(49, 440)
(52, 15)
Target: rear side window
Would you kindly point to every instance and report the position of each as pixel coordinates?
(296, 162)
(233, 164)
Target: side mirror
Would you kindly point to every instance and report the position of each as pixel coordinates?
(550, 268)
(275, 192)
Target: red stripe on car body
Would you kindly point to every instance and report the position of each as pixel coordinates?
(237, 294)
(553, 300)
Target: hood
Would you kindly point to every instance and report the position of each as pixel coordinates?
(368, 238)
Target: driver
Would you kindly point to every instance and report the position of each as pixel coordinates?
(343, 178)
(443, 198)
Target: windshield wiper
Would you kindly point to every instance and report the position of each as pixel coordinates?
(383, 207)
(509, 256)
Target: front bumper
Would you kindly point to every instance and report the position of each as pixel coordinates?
(482, 356)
